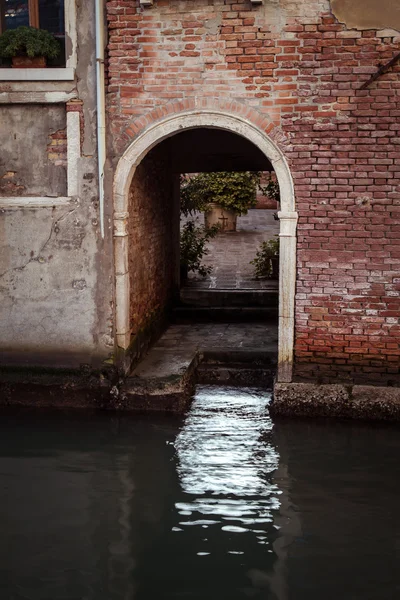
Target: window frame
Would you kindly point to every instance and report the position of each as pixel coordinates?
(66, 73)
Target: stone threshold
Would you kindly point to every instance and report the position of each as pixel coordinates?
(167, 382)
(213, 298)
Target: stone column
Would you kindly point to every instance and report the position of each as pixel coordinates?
(287, 289)
(122, 284)
(74, 123)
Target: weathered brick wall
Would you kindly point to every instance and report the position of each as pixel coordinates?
(348, 196)
(152, 240)
(295, 65)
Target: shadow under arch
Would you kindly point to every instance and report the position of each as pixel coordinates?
(134, 154)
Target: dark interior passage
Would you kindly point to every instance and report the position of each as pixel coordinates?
(154, 211)
(205, 150)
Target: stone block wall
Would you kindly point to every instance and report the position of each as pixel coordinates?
(308, 75)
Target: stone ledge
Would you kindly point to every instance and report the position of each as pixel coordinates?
(337, 400)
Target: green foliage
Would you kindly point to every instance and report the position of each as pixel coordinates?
(191, 195)
(28, 41)
(193, 246)
(232, 190)
(271, 189)
(266, 256)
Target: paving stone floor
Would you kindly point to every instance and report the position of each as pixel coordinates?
(224, 335)
(231, 253)
(175, 349)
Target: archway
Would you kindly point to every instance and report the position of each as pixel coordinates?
(142, 144)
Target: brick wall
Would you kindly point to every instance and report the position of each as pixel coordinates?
(348, 195)
(57, 147)
(292, 64)
(152, 240)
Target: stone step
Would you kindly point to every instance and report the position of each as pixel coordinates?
(268, 298)
(162, 381)
(251, 367)
(239, 357)
(224, 314)
(165, 381)
(236, 376)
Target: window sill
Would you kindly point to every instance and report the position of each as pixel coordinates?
(61, 74)
(33, 201)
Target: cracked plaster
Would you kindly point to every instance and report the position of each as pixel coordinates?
(367, 14)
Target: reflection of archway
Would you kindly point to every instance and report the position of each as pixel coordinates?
(127, 164)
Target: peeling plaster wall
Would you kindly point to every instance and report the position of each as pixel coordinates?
(46, 268)
(26, 165)
(56, 283)
(367, 14)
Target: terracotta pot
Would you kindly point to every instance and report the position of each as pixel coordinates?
(216, 215)
(275, 267)
(25, 62)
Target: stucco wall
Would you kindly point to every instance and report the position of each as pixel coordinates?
(32, 155)
(56, 283)
(47, 294)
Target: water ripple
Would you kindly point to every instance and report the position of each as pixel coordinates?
(226, 459)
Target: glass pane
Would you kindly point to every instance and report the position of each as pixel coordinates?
(16, 13)
(51, 16)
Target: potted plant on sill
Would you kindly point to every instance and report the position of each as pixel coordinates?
(222, 196)
(266, 262)
(28, 47)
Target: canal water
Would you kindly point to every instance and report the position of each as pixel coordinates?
(220, 504)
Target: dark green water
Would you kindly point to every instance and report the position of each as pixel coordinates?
(220, 504)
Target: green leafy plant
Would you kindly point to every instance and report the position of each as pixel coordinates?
(28, 41)
(191, 195)
(266, 262)
(271, 189)
(231, 190)
(193, 243)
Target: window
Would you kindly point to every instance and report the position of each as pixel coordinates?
(44, 14)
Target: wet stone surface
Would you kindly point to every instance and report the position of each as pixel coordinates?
(188, 353)
(223, 335)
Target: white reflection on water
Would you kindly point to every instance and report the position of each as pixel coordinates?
(226, 459)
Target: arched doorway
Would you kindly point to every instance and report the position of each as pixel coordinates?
(138, 149)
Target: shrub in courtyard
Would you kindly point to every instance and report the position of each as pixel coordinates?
(271, 189)
(231, 190)
(266, 262)
(193, 243)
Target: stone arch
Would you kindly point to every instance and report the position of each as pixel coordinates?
(150, 133)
